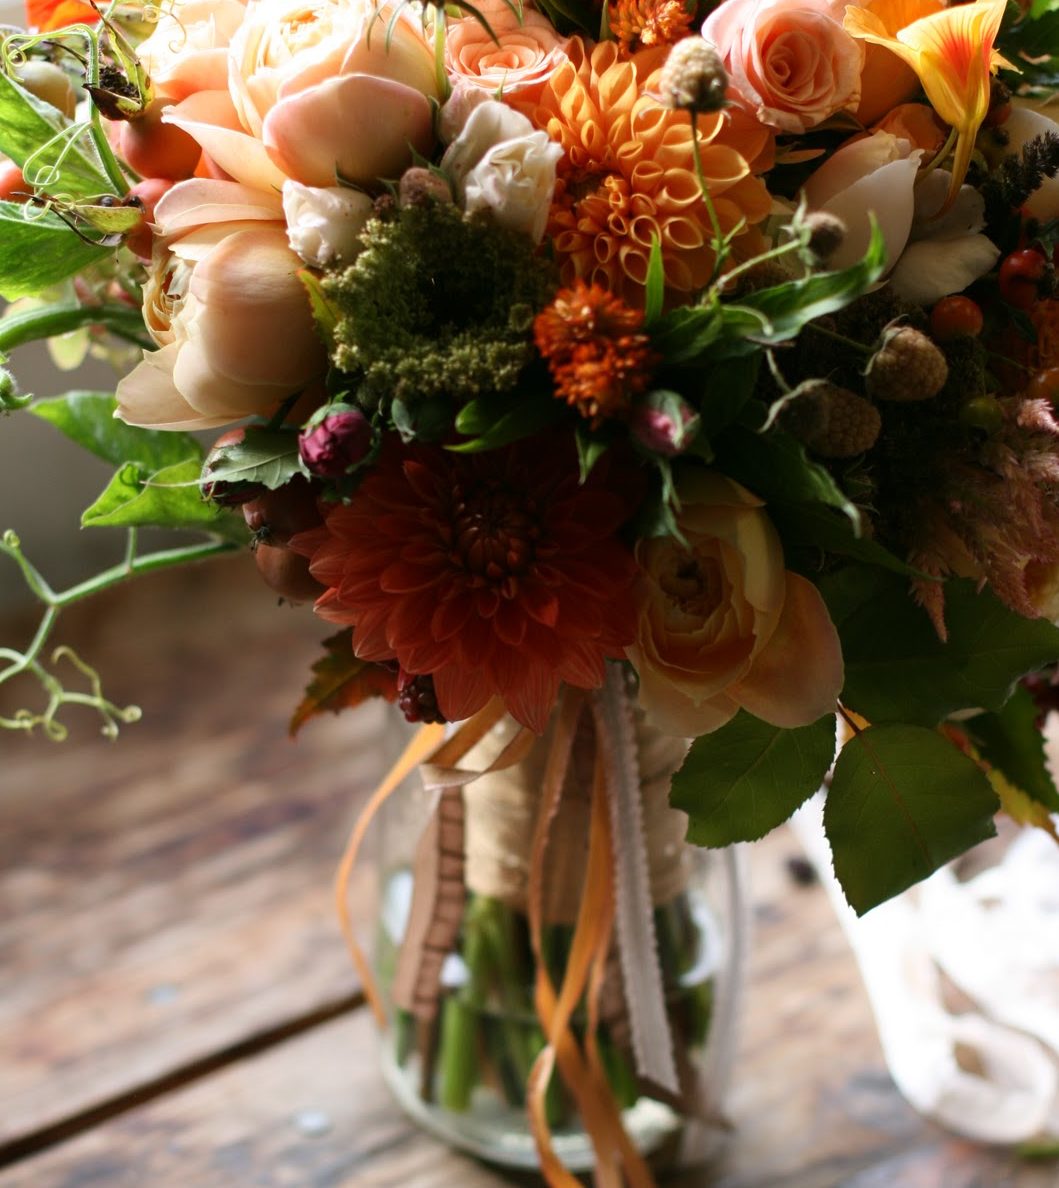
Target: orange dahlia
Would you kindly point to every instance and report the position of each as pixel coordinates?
(498, 573)
(596, 353)
(628, 173)
(638, 24)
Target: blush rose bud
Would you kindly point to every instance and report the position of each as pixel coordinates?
(338, 441)
(694, 78)
(664, 423)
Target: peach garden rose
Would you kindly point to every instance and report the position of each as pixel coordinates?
(224, 303)
(317, 92)
(518, 62)
(790, 62)
(723, 625)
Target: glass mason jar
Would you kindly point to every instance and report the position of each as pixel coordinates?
(462, 1074)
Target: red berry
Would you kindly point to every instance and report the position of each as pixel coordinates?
(140, 240)
(275, 516)
(287, 573)
(1020, 274)
(155, 149)
(1044, 385)
(998, 115)
(955, 317)
(13, 187)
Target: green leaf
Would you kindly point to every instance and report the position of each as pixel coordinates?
(775, 467)
(817, 526)
(903, 801)
(743, 780)
(590, 449)
(27, 123)
(523, 420)
(168, 498)
(728, 386)
(655, 289)
(87, 418)
(38, 251)
(788, 307)
(897, 670)
(1011, 741)
(266, 456)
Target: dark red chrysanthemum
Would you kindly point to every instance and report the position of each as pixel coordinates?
(496, 573)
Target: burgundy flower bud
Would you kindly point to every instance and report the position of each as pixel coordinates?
(332, 446)
(664, 423)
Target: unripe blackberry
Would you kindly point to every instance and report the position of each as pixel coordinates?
(907, 367)
(417, 699)
(832, 421)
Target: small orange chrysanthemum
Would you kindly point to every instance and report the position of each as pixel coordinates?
(640, 24)
(595, 351)
(628, 177)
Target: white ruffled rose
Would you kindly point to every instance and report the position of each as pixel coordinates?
(927, 257)
(324, 223)
(499, 163)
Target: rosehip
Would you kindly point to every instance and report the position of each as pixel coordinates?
(275, 516)
(955, 317)
(998, 115)
(287, 573)
(49, 83)
(1020, 277)
(13, 187)
(140, 240)
(1044, 385)
(155, 149)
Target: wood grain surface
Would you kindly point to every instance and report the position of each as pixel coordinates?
(177, 1008)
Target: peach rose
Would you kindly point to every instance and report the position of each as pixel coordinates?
(316, 94)
(188, 50)
(224, 304)
(916, 123)
(723, 626)
(791, 64)
(518, 62)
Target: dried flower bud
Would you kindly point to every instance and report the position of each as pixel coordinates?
(694, 78)
(664, 423)
(419, 186)
(826, 233)
(335, 443)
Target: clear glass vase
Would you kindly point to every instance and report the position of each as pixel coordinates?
(462, 1074)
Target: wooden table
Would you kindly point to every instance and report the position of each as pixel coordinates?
(177, 1007)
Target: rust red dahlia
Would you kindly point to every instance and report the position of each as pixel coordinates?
(495, 573)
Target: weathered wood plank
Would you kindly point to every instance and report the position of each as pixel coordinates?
(167, 897)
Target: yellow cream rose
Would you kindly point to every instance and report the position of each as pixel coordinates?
(723, 625)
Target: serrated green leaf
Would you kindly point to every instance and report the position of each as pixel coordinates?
(168, 498)
(743, 780)
(266, 456)
(776, 468)
(38, 252)
(1010, 741)
(898, 670)
(902, 802)
(87, 418)
(27, 123)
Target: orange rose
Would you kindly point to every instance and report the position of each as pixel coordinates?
(518, 62)
(723, 626)
(916, 123)
(790, 62)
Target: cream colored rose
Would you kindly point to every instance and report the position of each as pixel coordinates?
(188, 50)
(518, 61)
(324, 225)
(789, 61)
(500, 164)
(225, 306)
(317, 92)
(723, 626)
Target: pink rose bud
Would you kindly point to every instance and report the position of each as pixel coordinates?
(664, 424)
(332, 446)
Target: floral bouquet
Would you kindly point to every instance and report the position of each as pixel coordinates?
(611, 374)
